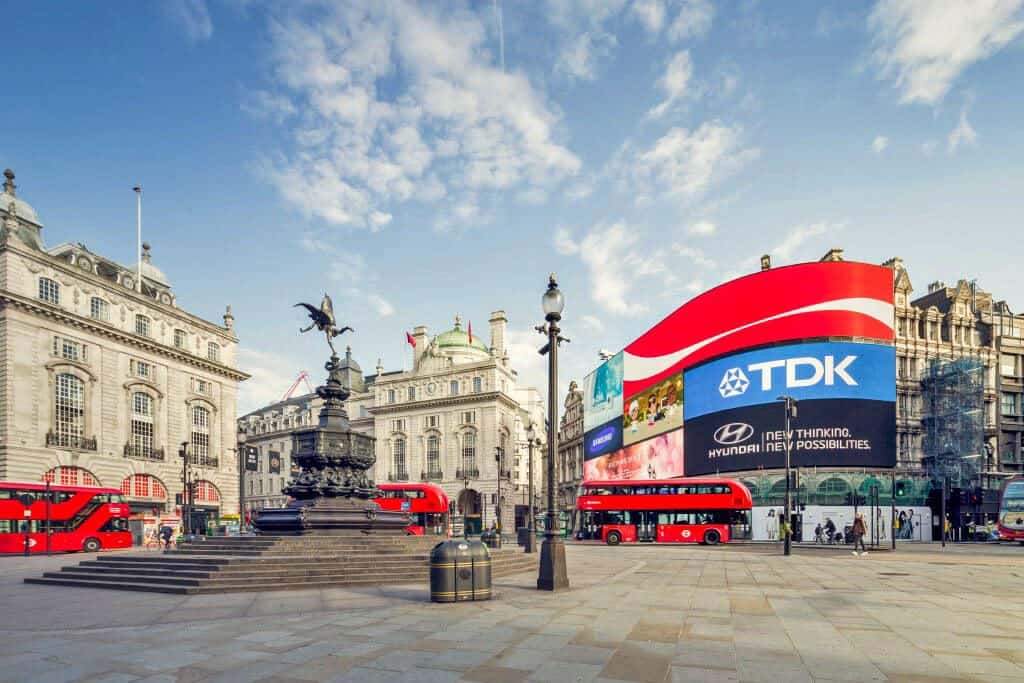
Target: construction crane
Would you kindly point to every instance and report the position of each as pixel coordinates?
(291, 390)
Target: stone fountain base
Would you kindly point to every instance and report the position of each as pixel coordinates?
(330, 517)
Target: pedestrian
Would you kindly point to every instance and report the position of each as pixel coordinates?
(946, 528)
(859, 529)
(165, 535)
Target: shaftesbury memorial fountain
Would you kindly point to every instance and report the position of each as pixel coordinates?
(334, 492)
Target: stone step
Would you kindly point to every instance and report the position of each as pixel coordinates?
(269, 582)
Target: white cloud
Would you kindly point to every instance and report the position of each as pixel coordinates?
(522, 346)
(403, 101)
(674, 82)
(579, 56)
(564, 244)
(348, 269)
(685, 164)
(796, 238)
(650, 14)
(924, 45)
(928, 147)
(192, 16)
(593, 322)
(702, 228)
(963, 135)
(261, 104)
(381, 305)
(696, 255)
(692, 21)
(272, 374)
(879, 144)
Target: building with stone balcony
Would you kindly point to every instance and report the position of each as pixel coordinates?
(103, 376)
(570, 453)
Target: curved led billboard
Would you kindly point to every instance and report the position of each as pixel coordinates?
(712, 367)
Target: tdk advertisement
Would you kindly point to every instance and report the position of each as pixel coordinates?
(826, 370)
(604, 439)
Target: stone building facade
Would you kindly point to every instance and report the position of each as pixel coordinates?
(104, 377)
(570, 453)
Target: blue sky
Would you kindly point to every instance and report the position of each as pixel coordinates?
(645, 150)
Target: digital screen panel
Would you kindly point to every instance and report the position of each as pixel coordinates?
(656, 410)
(604, 439)
(660, 457)
(602, 393)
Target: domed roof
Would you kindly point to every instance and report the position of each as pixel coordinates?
(151, 272)
(23, 209)
(458, 338)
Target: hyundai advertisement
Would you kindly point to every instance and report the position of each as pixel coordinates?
(602, 394)
(846, 417)
(605, 439)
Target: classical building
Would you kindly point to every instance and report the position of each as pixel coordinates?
(570, 453)
(949, 323)
(449, 420)
(103, 376)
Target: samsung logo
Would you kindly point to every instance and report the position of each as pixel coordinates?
(603, 438)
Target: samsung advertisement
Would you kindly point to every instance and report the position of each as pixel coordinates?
(605, 439)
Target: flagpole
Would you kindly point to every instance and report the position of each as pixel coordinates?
(138, 234)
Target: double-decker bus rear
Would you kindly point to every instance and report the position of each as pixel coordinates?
(1011, 511)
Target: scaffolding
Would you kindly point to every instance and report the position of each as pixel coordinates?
(954, 421)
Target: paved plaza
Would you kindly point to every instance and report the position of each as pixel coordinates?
(634, 614)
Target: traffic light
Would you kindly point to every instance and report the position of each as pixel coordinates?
(901, 489)
(964, 500)
(978, 496)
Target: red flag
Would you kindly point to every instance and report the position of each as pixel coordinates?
(471, 332)
(408, 338)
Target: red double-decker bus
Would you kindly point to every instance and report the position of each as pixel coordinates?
(1011, 511)
(426, 503)
(77, 518)
(706, 510)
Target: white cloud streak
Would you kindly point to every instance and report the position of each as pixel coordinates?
(963, 135)
(879, 144)
(192, 17)
(673, 83)
(702, 229)
(923, 46)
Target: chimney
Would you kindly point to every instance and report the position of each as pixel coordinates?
(766, 262)
(833, 254)
(419, 335)
(498, 322)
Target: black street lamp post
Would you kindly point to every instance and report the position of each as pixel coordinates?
(553, 574)
(186, 489)
(790, 404)
(531, 440)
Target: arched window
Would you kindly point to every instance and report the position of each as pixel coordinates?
(143, 486)
(69, 411)
(205, 492)
(502, 444)
(433, 455)
(213, 351)
(200, 435)
(398, 455)
(49, 291)
(142, 425)
(469, 452)
(142, 325)
(477, 385)
(70, 476)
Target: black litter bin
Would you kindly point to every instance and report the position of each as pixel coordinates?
(460, 570)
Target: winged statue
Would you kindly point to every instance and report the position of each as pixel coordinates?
(323, 320)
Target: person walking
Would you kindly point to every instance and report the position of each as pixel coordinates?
(859, 529)
(165, 535)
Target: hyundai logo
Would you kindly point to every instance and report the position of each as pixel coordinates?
(733, 433)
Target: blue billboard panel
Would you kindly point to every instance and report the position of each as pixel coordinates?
(602, 393)
(825, 370)
(602, 440)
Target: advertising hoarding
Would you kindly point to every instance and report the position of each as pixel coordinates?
(804, 301)
(604, 439)
(656, 458)
(274, 462)
(826, 433)
(656, 410)
(252, 459)
(602, 393)
(803, 371)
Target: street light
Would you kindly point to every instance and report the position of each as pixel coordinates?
(531, 440)
(186, 507)
(790, 404)
(498, 453)
(553, 574)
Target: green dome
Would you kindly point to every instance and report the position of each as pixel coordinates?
(459, 338)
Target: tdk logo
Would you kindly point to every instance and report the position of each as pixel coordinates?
(795, 372)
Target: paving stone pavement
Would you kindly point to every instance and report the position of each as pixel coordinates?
(637, 614)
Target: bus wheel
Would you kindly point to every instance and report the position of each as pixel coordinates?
(712, 537)
(91, 545)
(613, 538)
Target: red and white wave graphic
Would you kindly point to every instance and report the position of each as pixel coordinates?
(811, 300)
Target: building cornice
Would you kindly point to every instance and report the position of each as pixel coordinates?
(444, 402)
(58, 314)
(114, 289)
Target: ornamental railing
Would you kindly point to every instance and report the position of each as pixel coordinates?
(70, 441)
(398, 476)
(143, 453)
(432, 476)
(467, 473)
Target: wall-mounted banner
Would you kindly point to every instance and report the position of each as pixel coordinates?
(657, 458)
(826, 433)
(252, 459)
(602, 393)
(604, 439)
(275, 462)
(656, 410)
(803, 371)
